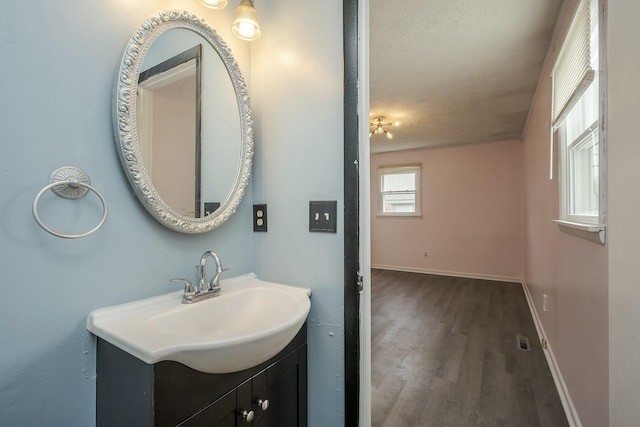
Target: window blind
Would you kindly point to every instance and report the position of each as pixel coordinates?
(572, 73)
(401, 181)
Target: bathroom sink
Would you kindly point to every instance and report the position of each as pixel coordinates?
(250, 322)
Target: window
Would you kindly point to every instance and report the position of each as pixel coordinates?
(579, 161)
(399, 190)
(576, 120)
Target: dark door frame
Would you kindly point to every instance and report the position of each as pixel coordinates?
(351, 216)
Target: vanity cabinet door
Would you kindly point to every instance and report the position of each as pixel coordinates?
(280, 384)
(243, 406)
(221, 413)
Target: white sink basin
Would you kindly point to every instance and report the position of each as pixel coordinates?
(248, 324)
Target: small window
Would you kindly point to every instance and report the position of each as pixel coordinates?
(577, 123)
(583, 174)
(580, 163)
(399, 190)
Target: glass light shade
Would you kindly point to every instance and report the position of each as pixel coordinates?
(397, 123)
(389, 135)
(213, 4)
(245, 26)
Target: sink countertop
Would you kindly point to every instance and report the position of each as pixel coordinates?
(249, 320)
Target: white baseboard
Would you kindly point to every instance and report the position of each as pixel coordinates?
(563, 392)
(449, 273)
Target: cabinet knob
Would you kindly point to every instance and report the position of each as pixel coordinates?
(263, 404)
(248, 415)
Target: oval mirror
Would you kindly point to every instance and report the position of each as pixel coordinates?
(183, 122)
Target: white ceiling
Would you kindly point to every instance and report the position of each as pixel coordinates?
(456, 71)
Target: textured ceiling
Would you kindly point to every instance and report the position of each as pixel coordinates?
(456, 71)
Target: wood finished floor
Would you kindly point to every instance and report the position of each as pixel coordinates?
(444, 353)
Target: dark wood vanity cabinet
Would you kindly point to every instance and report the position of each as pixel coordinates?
(279, 382)
(133, 393)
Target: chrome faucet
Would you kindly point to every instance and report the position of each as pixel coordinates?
(214, 284)
(203, 290)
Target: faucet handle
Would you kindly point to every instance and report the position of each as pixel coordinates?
(214, 283)
(189, 289)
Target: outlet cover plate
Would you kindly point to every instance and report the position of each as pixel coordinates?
(260, 218)
(323, 216)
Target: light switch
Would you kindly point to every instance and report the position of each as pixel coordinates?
(210, 207)
(322, 216)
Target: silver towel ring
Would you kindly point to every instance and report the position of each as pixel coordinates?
(69, 182)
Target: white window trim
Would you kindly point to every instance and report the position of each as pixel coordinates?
(415, 167)
(595, 232)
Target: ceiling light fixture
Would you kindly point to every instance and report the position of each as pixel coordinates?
(245, 26)
(213, 4)
(378, 125)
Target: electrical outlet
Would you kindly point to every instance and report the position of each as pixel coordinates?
(545, 302)
(260, 217)
(322, 216)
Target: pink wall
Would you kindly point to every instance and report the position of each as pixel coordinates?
(472, 212)
(572, 271)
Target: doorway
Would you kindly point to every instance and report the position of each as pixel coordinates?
(357, 150)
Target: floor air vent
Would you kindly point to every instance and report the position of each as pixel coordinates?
(523, 343)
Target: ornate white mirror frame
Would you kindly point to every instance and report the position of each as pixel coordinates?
(125, 122)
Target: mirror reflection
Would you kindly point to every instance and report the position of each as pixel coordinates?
(169, 128)
(188, 123)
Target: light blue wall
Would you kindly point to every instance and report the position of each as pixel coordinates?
(59, 62)
(296, 74)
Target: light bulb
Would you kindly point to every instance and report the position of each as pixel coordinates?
(246, 26)
(213, 4)
(379, 130)
(246, 30)
(397, 123)
(389, 135)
